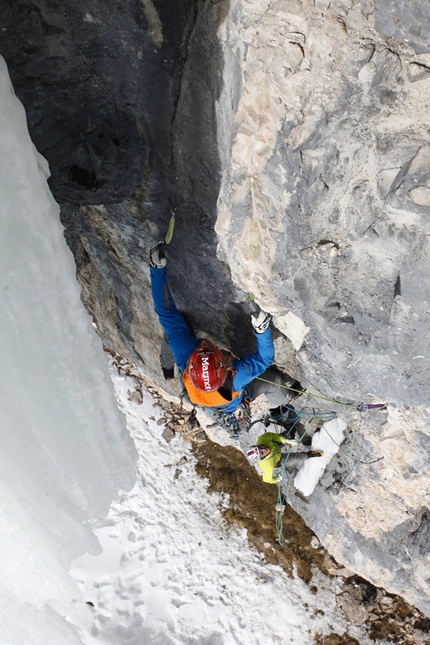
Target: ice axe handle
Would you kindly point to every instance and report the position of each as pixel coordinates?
(255, 309)
(170, 229)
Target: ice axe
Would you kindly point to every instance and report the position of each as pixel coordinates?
(171, 227)
(255, 309)
(161, 246)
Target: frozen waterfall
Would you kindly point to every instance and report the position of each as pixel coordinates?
(64, 449)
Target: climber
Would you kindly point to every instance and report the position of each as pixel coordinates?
(213, 378)
(272, 453)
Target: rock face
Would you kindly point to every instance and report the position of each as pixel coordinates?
(328, 167)
(409, 23)
(86, 106)
(292, 138)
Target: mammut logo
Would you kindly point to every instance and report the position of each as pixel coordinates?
(205, 373)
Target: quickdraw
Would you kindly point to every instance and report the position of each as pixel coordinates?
(362, 407)
(235, 422)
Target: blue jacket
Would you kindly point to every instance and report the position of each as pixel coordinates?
(183, 343)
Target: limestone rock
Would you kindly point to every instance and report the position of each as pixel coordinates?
(325, 201)
(136, 397)
(409, 22)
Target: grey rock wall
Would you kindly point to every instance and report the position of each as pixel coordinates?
(329, 166)
(324, 209)
(292, 138)
(408, 22)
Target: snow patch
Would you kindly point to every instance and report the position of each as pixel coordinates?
(328, 439)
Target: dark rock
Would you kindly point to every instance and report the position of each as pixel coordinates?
(97, 89)
(409, 22)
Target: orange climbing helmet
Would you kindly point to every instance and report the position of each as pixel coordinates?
(207, 368)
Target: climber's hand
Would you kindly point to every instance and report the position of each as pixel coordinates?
(157, 259)
(261, 321)
(289, 443)
(279, 478)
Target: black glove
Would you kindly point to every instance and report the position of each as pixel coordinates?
(192, 422)
(260, 321)
(157, 259)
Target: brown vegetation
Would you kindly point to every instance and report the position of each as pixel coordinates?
(253, 506)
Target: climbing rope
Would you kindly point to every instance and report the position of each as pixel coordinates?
(282, 501)
(352, 461)
(282, 494)
(325, 416)
(288, 415)
(361, 407)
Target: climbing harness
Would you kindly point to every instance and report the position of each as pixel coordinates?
(234, 422)
(289, 418)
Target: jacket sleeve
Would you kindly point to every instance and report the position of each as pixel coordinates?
(252, 365)
(181, 341)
